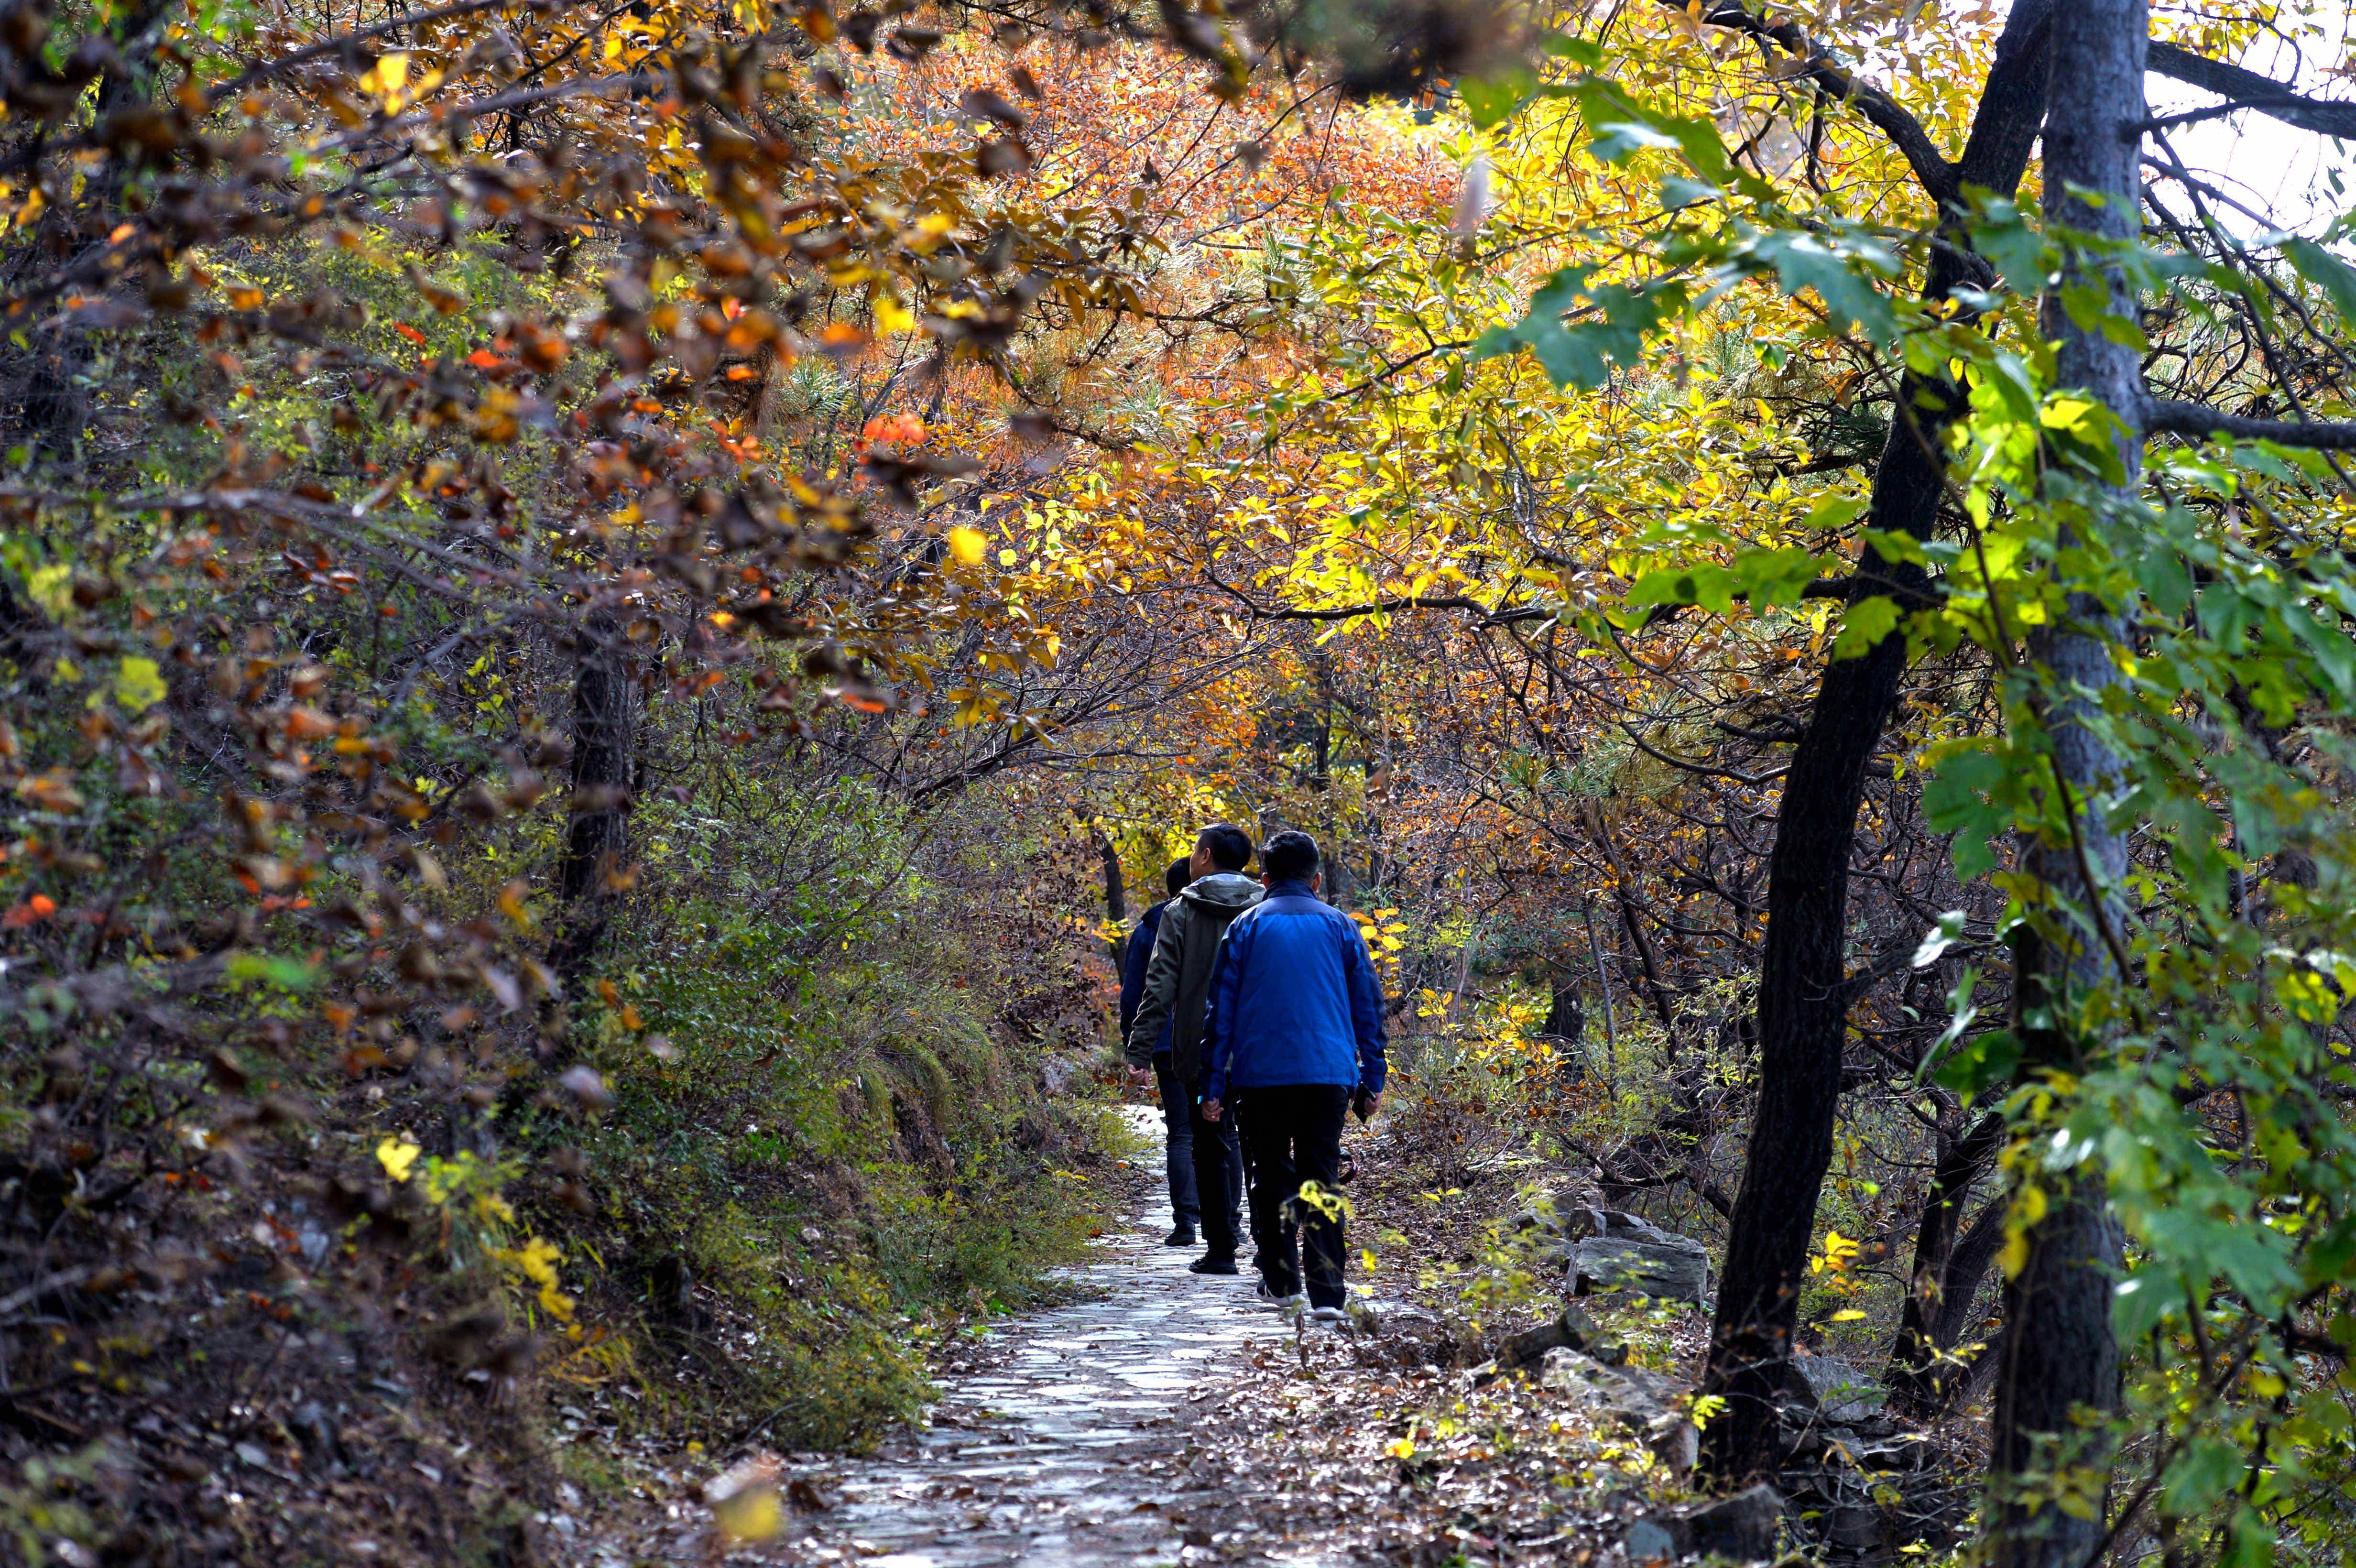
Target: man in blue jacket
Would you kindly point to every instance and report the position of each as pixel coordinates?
(1295, 1036)
(1177, 1106)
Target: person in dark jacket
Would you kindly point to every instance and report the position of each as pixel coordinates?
(1295, 1038)
(1177, 1108)
(1177, 984)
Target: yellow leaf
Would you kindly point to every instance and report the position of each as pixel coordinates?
(397, 1157)
(1401, 1449)
(967, 545)
(385, 77)
(1847, 1315)
(2015, 1256)
(891, 316)
(138, 684)
(52, 590)
(750, 1515)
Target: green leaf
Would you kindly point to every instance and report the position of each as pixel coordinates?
(1961, 798)
(1867, 622)
(1607, 109)
(286, 974)
(1985, 1062)
(2086, 431)
(2140, 1301)
(2253, 1541)
(1615, 318)
(1618, 143)
(2017, 251)
(2165, 579)
(1843, 276)
(1678, 191)
(2326, 272)
(1711, 587)
(1493, 99)
(1773, 576)
(2207, 1469)
(1583, 52)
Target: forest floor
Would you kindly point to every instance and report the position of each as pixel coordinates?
(1167, 1418)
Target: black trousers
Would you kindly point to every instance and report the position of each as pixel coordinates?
(1291, 1135)
(1177, 1144)
(1218, 1174)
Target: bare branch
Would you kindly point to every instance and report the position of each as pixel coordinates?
(2248, 90)
(2166, 415)
(1893, 119)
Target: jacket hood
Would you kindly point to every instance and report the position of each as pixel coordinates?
(1224, 889)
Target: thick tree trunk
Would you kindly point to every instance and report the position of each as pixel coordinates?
(2060, 1364)
(1803, 997)
(598, 837)
(1919, 1383)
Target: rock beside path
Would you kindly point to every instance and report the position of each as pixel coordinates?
(1611, 1249)
(1839, 1389)
(1643, 1404)
(1746, 1527)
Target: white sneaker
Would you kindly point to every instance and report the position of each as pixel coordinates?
(1329, 1315)
(1289, 1305)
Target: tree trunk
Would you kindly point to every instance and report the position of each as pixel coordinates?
(55, 402)
(1116, 897)
(1566, 1020)
(1802, 999)
(603, 725)
(1604, 981)
(2059, 1363)
(1918, 1383)
(1648, 958)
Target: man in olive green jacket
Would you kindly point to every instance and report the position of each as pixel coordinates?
(1177, 991)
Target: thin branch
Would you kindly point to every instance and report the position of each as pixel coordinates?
(1818, 66)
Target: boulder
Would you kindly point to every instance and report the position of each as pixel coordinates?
(1641, 1403)
(1580, 1220)
(1839, 1391)
(1610, 1248)
(1744, 1527)
(1573, 1329)
(1853, 1527)
(1675, 1268)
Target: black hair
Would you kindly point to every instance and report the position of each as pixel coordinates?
(1290, 857)
(1228, 846)
(1181, 872)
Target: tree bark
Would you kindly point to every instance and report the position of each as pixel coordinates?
(1116, 897)
(1918, 1384)
(1603, 982)
(2058, 1377)
(604, 722)
(1802, 1000)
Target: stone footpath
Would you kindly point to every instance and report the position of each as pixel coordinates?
(1035, 1461)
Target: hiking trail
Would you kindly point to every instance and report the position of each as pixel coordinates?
(1035, 1460)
